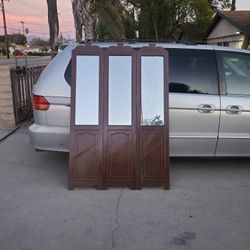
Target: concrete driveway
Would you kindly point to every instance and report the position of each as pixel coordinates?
(208, 206)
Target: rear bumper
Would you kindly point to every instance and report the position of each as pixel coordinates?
(52, 138)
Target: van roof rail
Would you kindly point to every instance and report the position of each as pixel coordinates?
(136, 41)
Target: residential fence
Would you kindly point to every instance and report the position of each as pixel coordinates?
(22, 82)
(16, 93)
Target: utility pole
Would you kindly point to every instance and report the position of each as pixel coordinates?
(22, 22)
(5, 30)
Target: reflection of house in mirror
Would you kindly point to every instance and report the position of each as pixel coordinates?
(154, 121)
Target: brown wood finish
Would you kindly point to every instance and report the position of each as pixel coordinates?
(86, 142)
(119, 155)
(153, 141)
(119, 140)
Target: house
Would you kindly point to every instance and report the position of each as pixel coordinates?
(230, 28)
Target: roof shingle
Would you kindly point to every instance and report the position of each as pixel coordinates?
(240, 19)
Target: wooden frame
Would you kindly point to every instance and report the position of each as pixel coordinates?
(151, 135)
(106, 155)
(80, 176)
(115, 134)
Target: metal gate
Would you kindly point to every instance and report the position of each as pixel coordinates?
(22, 81)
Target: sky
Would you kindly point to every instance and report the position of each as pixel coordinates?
(34, 15)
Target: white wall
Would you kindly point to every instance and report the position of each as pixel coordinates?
(226, 32)
(223, 28)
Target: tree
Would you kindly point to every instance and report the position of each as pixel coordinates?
(233, 8)
(246, 42)
(194, 30)
(169, 19)
(157, 19)
(99, 19)
(110, 22)
(203, 11)
(77, 13)
(220, 4)
(53, 25)
(160, 19)
(18, 39)
(84, 12)
(40, 42)
(15, 38)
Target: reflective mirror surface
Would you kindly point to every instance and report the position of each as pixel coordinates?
(120, 92)
(152, 90)
(87, 90)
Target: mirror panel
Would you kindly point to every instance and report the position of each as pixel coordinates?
(152, 91)
(120, 90)
(87, 90)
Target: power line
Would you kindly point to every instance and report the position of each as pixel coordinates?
(36, 15)
(29, 4)
(38, 28)
(15, 13)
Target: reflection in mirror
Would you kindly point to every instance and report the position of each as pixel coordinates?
(87, 90)
(152, 90)
(120, 90)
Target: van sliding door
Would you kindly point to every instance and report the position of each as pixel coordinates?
(234, 135)
(194, 102)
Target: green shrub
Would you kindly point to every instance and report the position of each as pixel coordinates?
(38, 54)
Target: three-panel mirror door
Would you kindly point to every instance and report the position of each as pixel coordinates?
(119, 117)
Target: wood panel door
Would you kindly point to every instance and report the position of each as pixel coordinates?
(86, 128)
(152, 118)
(120, 116)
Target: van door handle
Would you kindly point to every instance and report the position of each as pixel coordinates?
(233, 109)
(206, 108)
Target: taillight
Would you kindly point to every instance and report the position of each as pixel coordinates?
(40, 103)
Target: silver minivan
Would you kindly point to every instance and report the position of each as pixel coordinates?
(209, 101)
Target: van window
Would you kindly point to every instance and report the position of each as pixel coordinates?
(193, 71)
(237, 73)
(67, 73)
